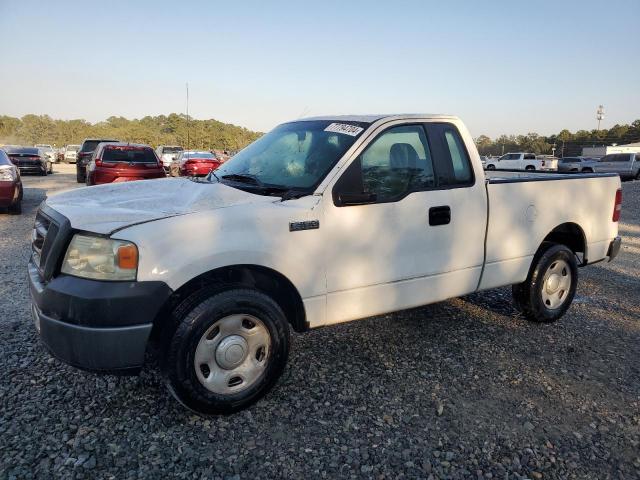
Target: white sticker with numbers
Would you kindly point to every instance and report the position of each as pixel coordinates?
(345, 128)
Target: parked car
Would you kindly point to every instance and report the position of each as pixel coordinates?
(318, 222)
(49, 152)
(627, 165)
(194, 163)
(10, 185)
(71, 153)
(577, 164)
(29, 160)
(123, 162)
(167, 154)
(521, 161)
(84, 156)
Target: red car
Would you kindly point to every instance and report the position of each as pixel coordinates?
(197, 164)
(123, 162)
(10, 185)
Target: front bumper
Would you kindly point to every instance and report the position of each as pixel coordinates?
(96, 325)
(614, 248)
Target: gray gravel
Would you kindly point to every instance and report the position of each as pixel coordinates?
(462, 389)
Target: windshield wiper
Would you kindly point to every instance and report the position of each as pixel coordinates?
(242, 178)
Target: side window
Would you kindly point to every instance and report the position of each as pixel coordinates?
(451, 160)
(529, 156)
(396, 163)
(623, 157)
(459, 158)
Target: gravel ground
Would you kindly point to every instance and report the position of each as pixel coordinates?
(462, 389)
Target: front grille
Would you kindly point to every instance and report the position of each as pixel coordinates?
(45, 242)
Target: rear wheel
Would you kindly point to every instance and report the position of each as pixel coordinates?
(228, 350)
(549, 289)
(587, 170)
(80, 177)
(491, 167)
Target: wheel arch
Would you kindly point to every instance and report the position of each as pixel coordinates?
(263, 279)
(572, 236)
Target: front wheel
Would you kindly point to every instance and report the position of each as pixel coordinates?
(79, 177)
(491, 167)
(549, 289)
(530, 168)
(228, 350)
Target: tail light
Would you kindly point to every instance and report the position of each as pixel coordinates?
(617, 208)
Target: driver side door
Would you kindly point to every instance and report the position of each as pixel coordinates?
(404, 223)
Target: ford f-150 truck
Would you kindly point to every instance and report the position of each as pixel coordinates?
(522, 161)
(320, 221)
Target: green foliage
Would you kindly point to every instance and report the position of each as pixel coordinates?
(172, 129)
(566, 143)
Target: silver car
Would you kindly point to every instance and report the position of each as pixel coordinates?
(577, 164)
(627, 165)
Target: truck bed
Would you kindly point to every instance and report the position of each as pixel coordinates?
(517, 176)
(525, 207)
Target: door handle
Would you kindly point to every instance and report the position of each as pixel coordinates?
(440, 215)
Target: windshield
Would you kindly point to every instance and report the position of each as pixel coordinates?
(171, 150)
(90, 145)
(294, 155)
(188, 155)
(118, 154)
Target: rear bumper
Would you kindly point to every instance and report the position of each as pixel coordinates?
(96, 325)
(101, 176)
(9, 193)
(32, 168)
(614, 248)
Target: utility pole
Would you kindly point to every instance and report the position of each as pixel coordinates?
(600, 115)
(188, 123)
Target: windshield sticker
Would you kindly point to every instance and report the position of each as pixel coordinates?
(347, 129)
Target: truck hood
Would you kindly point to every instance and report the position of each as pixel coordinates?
(104, 209)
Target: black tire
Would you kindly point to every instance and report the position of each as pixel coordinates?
(43, 173)
(192, 318)
(587, 170)
(528, 295)
(491, 167)
(638, 175)
(15, 208)
(530, 168)
(80, 178)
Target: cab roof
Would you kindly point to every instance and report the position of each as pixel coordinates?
(375, 117)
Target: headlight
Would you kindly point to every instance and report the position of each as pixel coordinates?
(101, 258)
(7, 173)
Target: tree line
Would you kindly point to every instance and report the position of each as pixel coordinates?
(565, 142)
(172, 129)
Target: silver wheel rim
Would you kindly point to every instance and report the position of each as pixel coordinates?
(232, 354)
(556, 284)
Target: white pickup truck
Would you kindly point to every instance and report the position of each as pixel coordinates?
(522, 161)
(320, 221)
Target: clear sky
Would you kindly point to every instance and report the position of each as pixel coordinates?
(503, 66)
